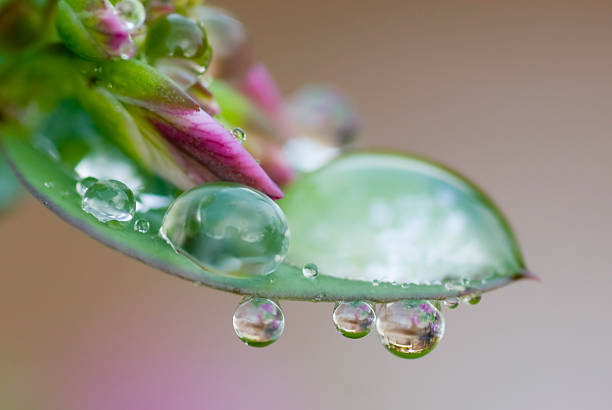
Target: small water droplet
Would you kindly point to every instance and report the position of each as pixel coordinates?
(405, 285)
(375, 282)
(310, 270)
(451, 303)
(49, 184)
(109, 200)
(84, 184)
(239, 134)
(473, 299)
(354, 319)
(409, 329)
(258, 322)
(228, 229)
(142, 226)
(132, 12)
(197, 284)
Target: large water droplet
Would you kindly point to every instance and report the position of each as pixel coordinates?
(310, 270)
(228, 228)
(109, 200)
(410, 329)
(354, 319)
(132, 12)
(258, 322)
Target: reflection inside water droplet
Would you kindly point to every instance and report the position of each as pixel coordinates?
(409, 329)
(258, 322)
(354, 319)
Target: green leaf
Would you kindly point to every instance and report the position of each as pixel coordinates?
(327, 203)
(9, 186)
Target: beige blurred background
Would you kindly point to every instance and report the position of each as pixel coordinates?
(516, 94)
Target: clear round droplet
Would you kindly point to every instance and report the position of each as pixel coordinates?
(451, 303)
(109, 200)
(239, 134)
(258, 322)
(83, 185)
(409, 329)
(354, 319)
(142, 226)
(310, 270)
(229, 229)
(132, 12)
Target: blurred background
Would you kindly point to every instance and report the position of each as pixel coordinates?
(515, 94)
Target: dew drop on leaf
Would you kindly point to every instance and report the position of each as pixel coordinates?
(310, 270)
(228, 229)
(109, 200)
(142, 226)
(258, 322)
(354, 319)
(409, 329)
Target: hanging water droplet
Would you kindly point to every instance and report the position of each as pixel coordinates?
(142, 226)
(473, 299)
(84, 184)
(132, 13)
(410, 329)
(109, 200)
(310, 270)
(354, 319)
(239, 134)
(228, 229)
(451, 303)
(258, 322)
